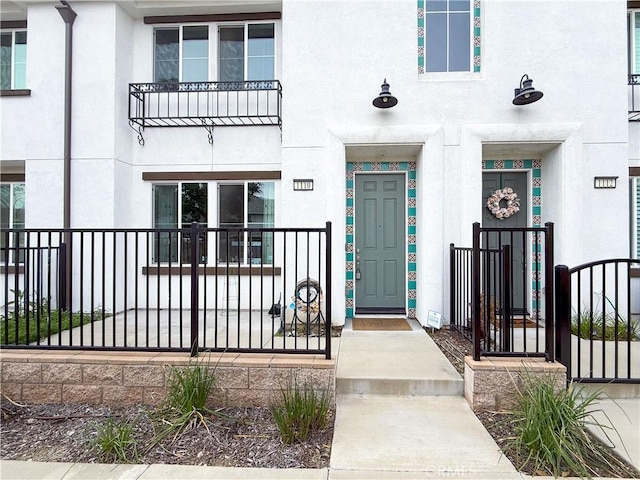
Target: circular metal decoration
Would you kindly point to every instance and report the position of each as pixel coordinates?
(512, 203)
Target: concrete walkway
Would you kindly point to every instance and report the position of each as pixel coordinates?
(400, 414)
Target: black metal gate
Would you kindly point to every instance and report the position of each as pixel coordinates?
(483, 279)
(598, 316)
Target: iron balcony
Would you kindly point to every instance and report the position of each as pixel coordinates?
(205, 104)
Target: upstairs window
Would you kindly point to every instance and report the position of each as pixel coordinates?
(13, 60)
(633, 33)
(247, 53)
(448, 36)
(181, 54)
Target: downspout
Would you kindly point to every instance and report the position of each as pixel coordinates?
(69, 16)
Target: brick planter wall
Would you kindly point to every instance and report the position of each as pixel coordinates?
(45, 376)
(492, 383)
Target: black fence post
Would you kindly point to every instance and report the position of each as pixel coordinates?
(327, 320)
(549, 294)
(507, 314)
(475, 292)
(452, 285)
(195, 261)
(62, 277)
(563, 317)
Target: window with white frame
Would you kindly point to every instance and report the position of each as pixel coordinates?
(13, 60)
(178, 205)
(633, 33)
(240, 206)
(12, 215)
(245, 52)
(181, 54)
(448, 31)
(246, 205)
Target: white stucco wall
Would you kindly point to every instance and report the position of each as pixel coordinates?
(332, 57)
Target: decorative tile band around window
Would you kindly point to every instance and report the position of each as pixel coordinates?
(422, 36)
(410, 168)
(535, 166)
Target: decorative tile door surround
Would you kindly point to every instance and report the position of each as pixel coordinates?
(410, 168)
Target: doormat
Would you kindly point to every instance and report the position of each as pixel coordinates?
(518, 322)
(388, 324)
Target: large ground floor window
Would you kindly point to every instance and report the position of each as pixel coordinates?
(12, 215)
(238, 206)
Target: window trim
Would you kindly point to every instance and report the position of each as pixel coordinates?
(211, 18)
(252, 175)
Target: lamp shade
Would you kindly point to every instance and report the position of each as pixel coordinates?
(526, 93)
(385, 99)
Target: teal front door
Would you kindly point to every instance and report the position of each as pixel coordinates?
(380, 268)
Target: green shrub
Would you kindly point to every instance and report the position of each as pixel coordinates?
(115, 442)
(186, 401)
(550, 430)
(43, 320)
(593, 325)
(300, 410)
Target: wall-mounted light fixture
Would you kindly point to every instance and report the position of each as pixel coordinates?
(604, 182)
(526, 93)
(385, 99)
(303, 184)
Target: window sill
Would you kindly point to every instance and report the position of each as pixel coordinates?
(213, 270)
(449, 76)
(11, 269)
(22, 92)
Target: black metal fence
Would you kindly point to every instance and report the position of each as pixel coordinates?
(502, 291)
(235, 289)
(598, 318)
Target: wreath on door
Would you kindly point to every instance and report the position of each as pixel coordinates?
(512, 203)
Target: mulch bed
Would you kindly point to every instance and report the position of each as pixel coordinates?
(237, 437)
(455, 347)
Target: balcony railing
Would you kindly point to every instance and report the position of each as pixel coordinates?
(634, 98)
(204, 104)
